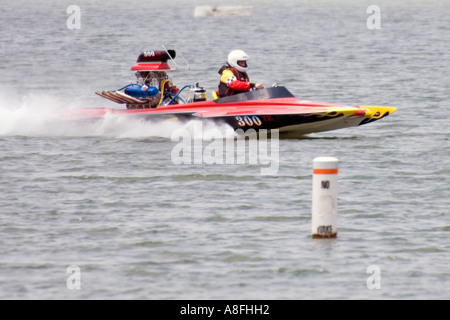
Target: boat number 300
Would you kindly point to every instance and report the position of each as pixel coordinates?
(248, 121)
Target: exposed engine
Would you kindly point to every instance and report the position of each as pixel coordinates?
(153, 87)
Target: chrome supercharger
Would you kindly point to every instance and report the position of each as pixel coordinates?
(199, 93)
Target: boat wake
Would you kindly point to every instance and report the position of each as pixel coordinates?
(45, 116)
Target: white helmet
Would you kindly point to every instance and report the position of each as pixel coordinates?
(235, 56)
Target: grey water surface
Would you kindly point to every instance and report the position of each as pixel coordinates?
(107, 200)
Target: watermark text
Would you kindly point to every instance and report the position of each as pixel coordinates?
(74, 20)
(74, 280)
(211, 146)
(374, 20)
(374, 280)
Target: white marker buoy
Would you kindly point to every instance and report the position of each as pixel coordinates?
(324, 199)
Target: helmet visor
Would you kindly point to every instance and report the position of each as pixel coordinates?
(242, 63)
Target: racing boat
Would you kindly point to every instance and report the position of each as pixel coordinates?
(154, 98)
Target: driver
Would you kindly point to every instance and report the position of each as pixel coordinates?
(233, 76)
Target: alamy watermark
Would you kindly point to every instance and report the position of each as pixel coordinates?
(211, 146)
(74, 280)
(374, 280)
(374, 20)
(74, 20)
